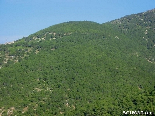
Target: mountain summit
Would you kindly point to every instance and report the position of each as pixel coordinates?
(81, 68)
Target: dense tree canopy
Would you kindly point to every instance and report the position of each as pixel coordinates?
(81, 68)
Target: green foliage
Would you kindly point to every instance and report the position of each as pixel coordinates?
(79, 68)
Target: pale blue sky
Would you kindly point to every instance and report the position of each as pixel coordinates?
(20, 18)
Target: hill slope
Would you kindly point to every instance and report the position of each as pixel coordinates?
(78, 68)
(139, 27)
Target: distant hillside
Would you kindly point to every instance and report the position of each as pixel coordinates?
(81, 68)
(140, 27)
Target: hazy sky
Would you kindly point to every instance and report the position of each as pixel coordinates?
(20, 18)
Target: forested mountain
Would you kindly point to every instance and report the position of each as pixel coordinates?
(81, 68)
(140, 27)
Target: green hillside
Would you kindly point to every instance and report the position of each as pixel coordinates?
(140, 27)
(81, 68)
